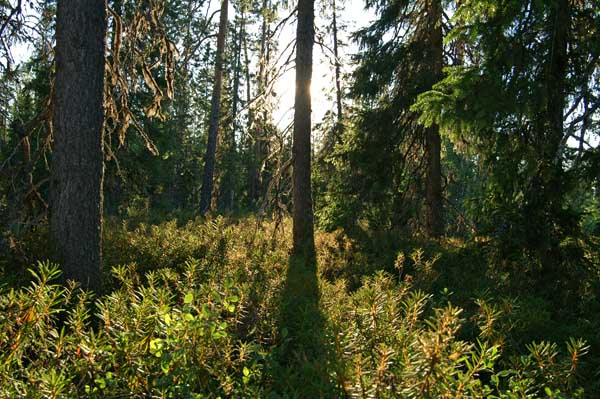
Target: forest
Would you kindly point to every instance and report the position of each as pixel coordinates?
(300, 199)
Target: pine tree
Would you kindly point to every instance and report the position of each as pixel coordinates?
(77, 164)
(213, 128)
(303, 231)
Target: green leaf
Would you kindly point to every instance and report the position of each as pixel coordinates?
(156, 345)
(189, 297)
(233, 298)
(165, 366)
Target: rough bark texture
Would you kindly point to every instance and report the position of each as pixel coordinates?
(77, 165)
(435, 211)
(303, 230)
(215, 111)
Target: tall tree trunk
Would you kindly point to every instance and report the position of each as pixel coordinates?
(213, 122)
(584, 126)
(557, 70)
(259, 128)
(248, 140)
(77, 165)
(247, 76)
(230, 175)
(460, 44)
(435, 211)
(303, 230)
(548, 190)
(338, 80)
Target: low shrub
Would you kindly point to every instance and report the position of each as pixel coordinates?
(216, 308)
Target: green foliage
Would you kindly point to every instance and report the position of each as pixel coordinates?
(394, 350)
(499, 104)
(215, 308)
(170, 337)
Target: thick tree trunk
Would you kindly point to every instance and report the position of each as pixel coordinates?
(77, 165)
(547, 194)
(546, 191)
(213, 122)
(303, 230)
(435, 210)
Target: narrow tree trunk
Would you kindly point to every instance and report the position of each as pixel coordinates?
(303, 230)
(338, 81)
(435, 211)
(584, 127)
(230, 178)
(259, 128)
(249, 139)
(213, 122)
(77, 165)
(460, 44)
(556, 77)
(247, 77)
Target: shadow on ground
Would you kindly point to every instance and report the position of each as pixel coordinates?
(301, 364)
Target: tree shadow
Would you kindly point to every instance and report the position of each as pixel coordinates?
(301, 361)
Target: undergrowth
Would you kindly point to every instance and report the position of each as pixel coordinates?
(217, 308)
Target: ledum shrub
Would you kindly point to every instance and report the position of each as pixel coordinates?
(224, 322)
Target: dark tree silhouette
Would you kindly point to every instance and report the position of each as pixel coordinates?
(302, 195)
(215, 111)
(77, 169)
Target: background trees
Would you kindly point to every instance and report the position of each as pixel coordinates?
(480, 144)
(449, 149)
(518, 101)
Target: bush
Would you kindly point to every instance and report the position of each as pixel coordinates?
(215, 309)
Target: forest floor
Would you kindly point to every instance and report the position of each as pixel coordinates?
(219, 308)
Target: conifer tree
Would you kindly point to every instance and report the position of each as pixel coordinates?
(214, 118)
(303, 231)
(77, 164)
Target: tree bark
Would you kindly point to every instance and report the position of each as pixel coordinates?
(258, 154)
(247, 76)
(77, 165)
(338, 80)
(435, 211)
(557, 70)
(213, 122)
(303, 230)
(230, 175)
(548, 188)
(248, 140)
